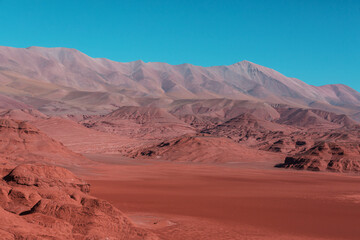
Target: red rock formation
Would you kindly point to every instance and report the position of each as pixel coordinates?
(21, 142)
(140, 122)
(339, 157)
(48, 202)
(206, 149)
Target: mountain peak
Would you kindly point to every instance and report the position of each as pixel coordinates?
(246, 62)
(243, 62)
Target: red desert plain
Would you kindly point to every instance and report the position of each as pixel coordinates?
(96, 149)
(232, 201)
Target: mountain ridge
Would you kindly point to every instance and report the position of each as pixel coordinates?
(69, 78)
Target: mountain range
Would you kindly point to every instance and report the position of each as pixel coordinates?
(199, 134)
(65, 81)
(95, 105)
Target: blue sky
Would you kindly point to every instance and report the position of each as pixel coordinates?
(317, 41)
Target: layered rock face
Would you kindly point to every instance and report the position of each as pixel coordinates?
(21, 142)
(339, 157)
(204, 149)
(140, 123)
(49, 202)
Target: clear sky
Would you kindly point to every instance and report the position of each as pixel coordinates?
(317, 41)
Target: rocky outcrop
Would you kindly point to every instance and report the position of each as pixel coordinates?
(202, 148)
(148, 123)
(45, 176)
(21, 142)
(338, 157)
(48, 202)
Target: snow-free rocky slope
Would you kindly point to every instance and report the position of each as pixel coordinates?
(60, 80)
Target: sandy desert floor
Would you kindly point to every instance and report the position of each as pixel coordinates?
(229, 201)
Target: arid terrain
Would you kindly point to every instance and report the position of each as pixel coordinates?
(234, 201)
(96, 149)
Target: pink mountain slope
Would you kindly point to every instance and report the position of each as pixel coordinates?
(78, 77)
